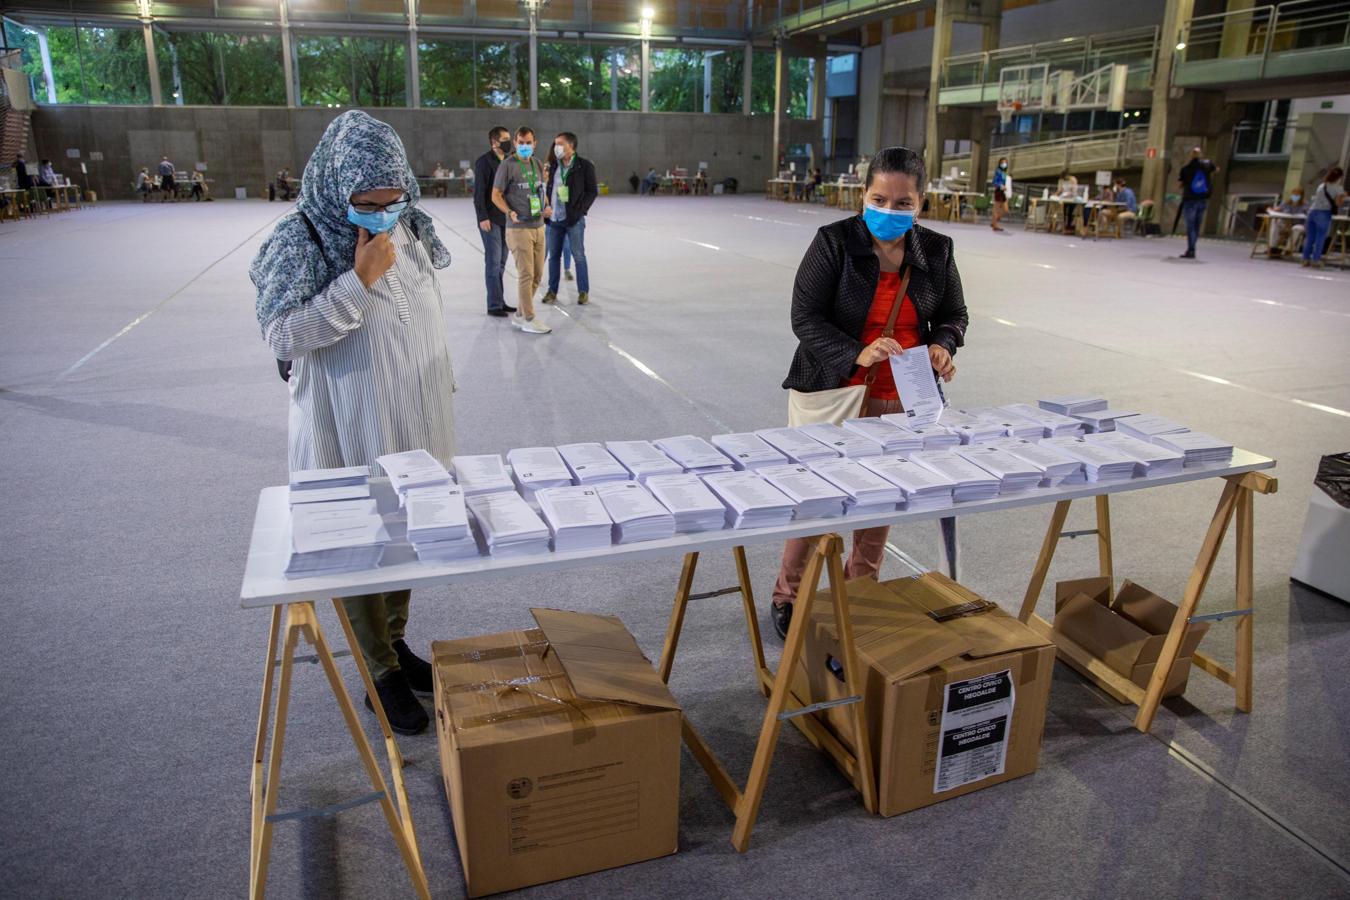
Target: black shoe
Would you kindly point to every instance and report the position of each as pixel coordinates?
(782, 618)
(401, 707)
(415, 669)
(499, 313)
(509, 309)
(1189, 254)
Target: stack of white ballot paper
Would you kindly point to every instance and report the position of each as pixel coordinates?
(508, 526)
(1052, 424)
(485, 474)
(841, 440)
(1101, 463)
(923, 488)
(1147, 427)
(537, 468)
(972, 428)
(1102, 420)
(796, 445)
(1055, 464)
(413, 469)
(1014, 424)
(1014, 473)
(1200, 449)
(438, 524)
(694, 507)
(642, 459)
(972, 482)
(751, 502)
(867, 491)
(935, 437)
(893, 439)
(815, 498)
(1150, 459)
(747, 450)
(637, 515)
(1072, 404)
(591, 463)
(576, 518)
(322, 485)
(330, 538)
(694, 453)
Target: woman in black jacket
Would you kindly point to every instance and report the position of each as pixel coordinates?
(841, 301)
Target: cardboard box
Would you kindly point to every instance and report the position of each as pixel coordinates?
(1127, 632)
(951, 706)
(560, 748)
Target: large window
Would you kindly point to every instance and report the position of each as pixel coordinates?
(447, 73)
(352, 71)
(801, 70)
(89, 63)
(468, 73)
(210, 69)
(503, 74)
(762, 72)
(676, 81)
(575, 75)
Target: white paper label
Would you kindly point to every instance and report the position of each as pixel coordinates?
(976, 719)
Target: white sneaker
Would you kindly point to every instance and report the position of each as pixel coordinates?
(517, 320)
(534, 326)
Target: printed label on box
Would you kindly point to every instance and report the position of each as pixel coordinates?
(976, 717)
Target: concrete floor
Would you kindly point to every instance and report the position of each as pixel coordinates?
(140, 413)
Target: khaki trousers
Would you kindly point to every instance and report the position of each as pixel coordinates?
(527, 249)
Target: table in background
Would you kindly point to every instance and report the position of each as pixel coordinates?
(16, 203)
(781, 189)
(448, 182)
(1096, 212)
(1268, 219)
(949, 201)
(1340, 241)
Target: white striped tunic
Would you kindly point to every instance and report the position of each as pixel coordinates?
(371, 370)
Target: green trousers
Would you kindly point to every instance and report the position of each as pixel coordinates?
(378, 620)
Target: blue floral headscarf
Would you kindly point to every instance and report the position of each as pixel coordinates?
(357, 153)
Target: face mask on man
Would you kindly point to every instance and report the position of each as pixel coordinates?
(559, 151)
(525, 150)
(1003, 165)
(887, 224)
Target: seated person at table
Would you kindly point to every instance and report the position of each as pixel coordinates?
(1122, 194)
(440, 186)
(284, 184)
(46, 174)
(1067, 189)
(807, 188)
(701, 182)
(200, 189)
(144, 183)
(1282, 234)
(650, 183)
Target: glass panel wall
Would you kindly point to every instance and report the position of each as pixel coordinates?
(351, 71)
(212, 69)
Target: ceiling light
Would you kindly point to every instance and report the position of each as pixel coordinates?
(1181, 45)
(648, 12)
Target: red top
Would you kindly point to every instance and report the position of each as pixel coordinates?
(906, 332)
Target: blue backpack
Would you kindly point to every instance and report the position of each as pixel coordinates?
(1200, 183)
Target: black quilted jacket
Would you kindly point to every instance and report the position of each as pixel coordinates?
(833, 293)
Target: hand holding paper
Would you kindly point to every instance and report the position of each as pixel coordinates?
(917, 386)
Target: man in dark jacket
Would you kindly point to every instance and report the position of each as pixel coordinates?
(491, 220)
(1196, 179)
(571, 190)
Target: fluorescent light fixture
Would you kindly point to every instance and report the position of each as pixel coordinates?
(648, 12)
(1181, 45)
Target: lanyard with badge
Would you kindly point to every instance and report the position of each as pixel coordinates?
(563, 193)
(536, 204)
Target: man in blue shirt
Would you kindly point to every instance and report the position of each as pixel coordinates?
(1126, 196)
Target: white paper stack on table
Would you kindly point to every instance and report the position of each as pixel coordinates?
(796, 445)
(642, 459)
(537, 468)
(413, 469)
(972, 482)
(339, 536)
(591, 463)
(1071, 404)
(696, 455)
(747, 450)
(867, 491)
(922, 487)
(935, 437)
(893, 439)
(689, 500)
(1102, 464)
(750, 501)
(322, 485)
(813, 496)
(1103, 420)
(1054, 463)
(1147, 427)
(637, 515)
(1015, 425)
(507, 524)
(1053, 424)
(483, 474)
(1014, 473)
(576, 517)
(970, 427)
(1200, 449)
(841, 440)
(438, 524)
(1150, 458)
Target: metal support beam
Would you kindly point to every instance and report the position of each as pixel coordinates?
(1153, 183)
(414, 69)
(780, 67)
(534, 59)
(156, 92)
(288, 56)
(646, 75)
(748, 80)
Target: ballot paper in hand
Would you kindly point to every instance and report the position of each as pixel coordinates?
(689, 500)
(972, 482)
(916, 383)
(508, 526)
(796, 445)
(751, 501)
(537, 468)
(323, 485)
(1152, 459)
(815, 498)
(747, 450)
(576, 518)
(1014, 473)
(438, 524)
(330, 538)
(922, 487)
(867, 491)
(695, 454)
(642, 459)
(483, 474)
(893, 439)
(845, 442)
(637, 515)
(412, 469)
(591, 463)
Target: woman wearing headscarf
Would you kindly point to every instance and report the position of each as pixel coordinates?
(347, 297)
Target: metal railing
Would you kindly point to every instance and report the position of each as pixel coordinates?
(1094, 150)
(1299, 25)
(1136, 48)
(1263, 140)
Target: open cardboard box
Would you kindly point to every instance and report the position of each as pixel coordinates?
(951, 706)
(1126, 632)
(560, 748)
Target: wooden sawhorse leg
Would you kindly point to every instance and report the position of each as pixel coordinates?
(827, 556)
(303, 622)
(1236, 503)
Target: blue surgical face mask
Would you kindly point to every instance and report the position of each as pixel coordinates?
(887, 224)
(374, 222)
(525, 150)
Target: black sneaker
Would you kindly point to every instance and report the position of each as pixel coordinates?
(1189, 254)
(509, 308)
(499, 313)
(782, 618)
(401, 706)
(415, 669)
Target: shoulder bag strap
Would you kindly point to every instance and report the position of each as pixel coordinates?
(888, 331)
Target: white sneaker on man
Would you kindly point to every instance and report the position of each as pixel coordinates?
(533, 326)
(517, 320)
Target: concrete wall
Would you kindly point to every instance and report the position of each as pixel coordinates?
(245, 146)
